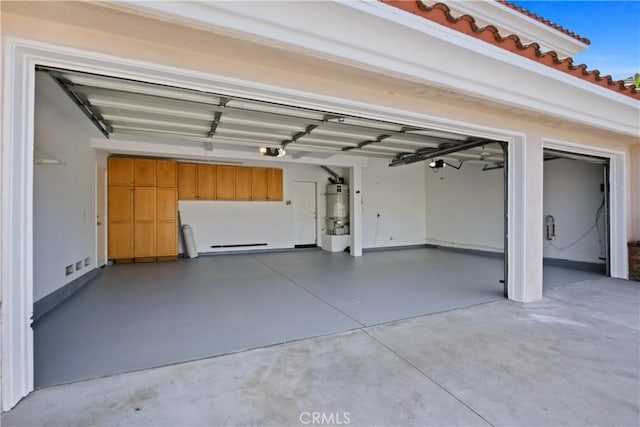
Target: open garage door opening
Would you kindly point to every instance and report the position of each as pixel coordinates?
(576, 228)
(253, 180)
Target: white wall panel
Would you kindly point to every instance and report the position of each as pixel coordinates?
(64, 194)
(465, 207)
(572, 196)
(398, 195)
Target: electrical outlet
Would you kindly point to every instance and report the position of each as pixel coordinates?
(68, 270)
(79, 265)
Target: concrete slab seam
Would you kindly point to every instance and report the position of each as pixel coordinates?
(309, 292)
(427, 376)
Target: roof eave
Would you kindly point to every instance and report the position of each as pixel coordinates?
(454, 60)
(527, 28)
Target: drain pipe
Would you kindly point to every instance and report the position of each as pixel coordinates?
(338, 179)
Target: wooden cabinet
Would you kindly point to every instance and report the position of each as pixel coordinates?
(142, 208)
(225, 183)
(167, 222)
(221, 182)
(187, 181)
(167, 173)
(144, 172)
(196, 181)
(274, 184)
(258, 183)
(120, 171)
(144, 222)
(206, 183)
(120, 214)
(243, 183)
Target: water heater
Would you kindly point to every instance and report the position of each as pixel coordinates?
(337, 209)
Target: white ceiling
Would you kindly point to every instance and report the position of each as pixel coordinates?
(125, 107)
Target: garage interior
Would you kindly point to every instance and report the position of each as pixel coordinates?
(576, 217)
(441, 207)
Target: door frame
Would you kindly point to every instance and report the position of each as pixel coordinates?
(617, 202)
(316, 200)
(101, 215)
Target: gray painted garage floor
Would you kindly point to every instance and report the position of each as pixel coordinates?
(138, 316)
(570, 359)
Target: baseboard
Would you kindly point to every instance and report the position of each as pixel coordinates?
(575, 265)
(395, 248)
(593, 267)
(55, 298)
(489, 254)
(255, 251)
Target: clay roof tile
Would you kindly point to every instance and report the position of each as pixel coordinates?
(544, 21)
(441, 14)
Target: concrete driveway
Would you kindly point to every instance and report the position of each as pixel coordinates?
(572, 358)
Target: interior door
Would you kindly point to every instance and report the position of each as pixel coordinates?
(304, 213)
(101, 193)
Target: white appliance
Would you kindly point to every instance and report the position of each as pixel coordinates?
(337, 209)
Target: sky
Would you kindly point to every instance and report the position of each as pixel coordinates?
(613, 27)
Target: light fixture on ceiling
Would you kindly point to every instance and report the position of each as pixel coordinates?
(437, 164)
(273, 151)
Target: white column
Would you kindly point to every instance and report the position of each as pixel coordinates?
(16, 272)
(525, 219)
(355, 210)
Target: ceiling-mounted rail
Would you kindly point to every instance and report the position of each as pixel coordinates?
(83, 103)
(443, 150)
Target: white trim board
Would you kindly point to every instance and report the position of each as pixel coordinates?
(21, 57)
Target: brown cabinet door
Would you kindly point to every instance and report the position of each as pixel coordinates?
(274, 184)
(243, 183)
(166, 173)
(120, 211)
(144, 222)
(206, 182)
(225, 182)
(167, 221)
(144, 172)
(187, 181)
(120, 171)
(258, 183)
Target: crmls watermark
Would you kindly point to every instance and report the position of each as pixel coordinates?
(325, 418)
